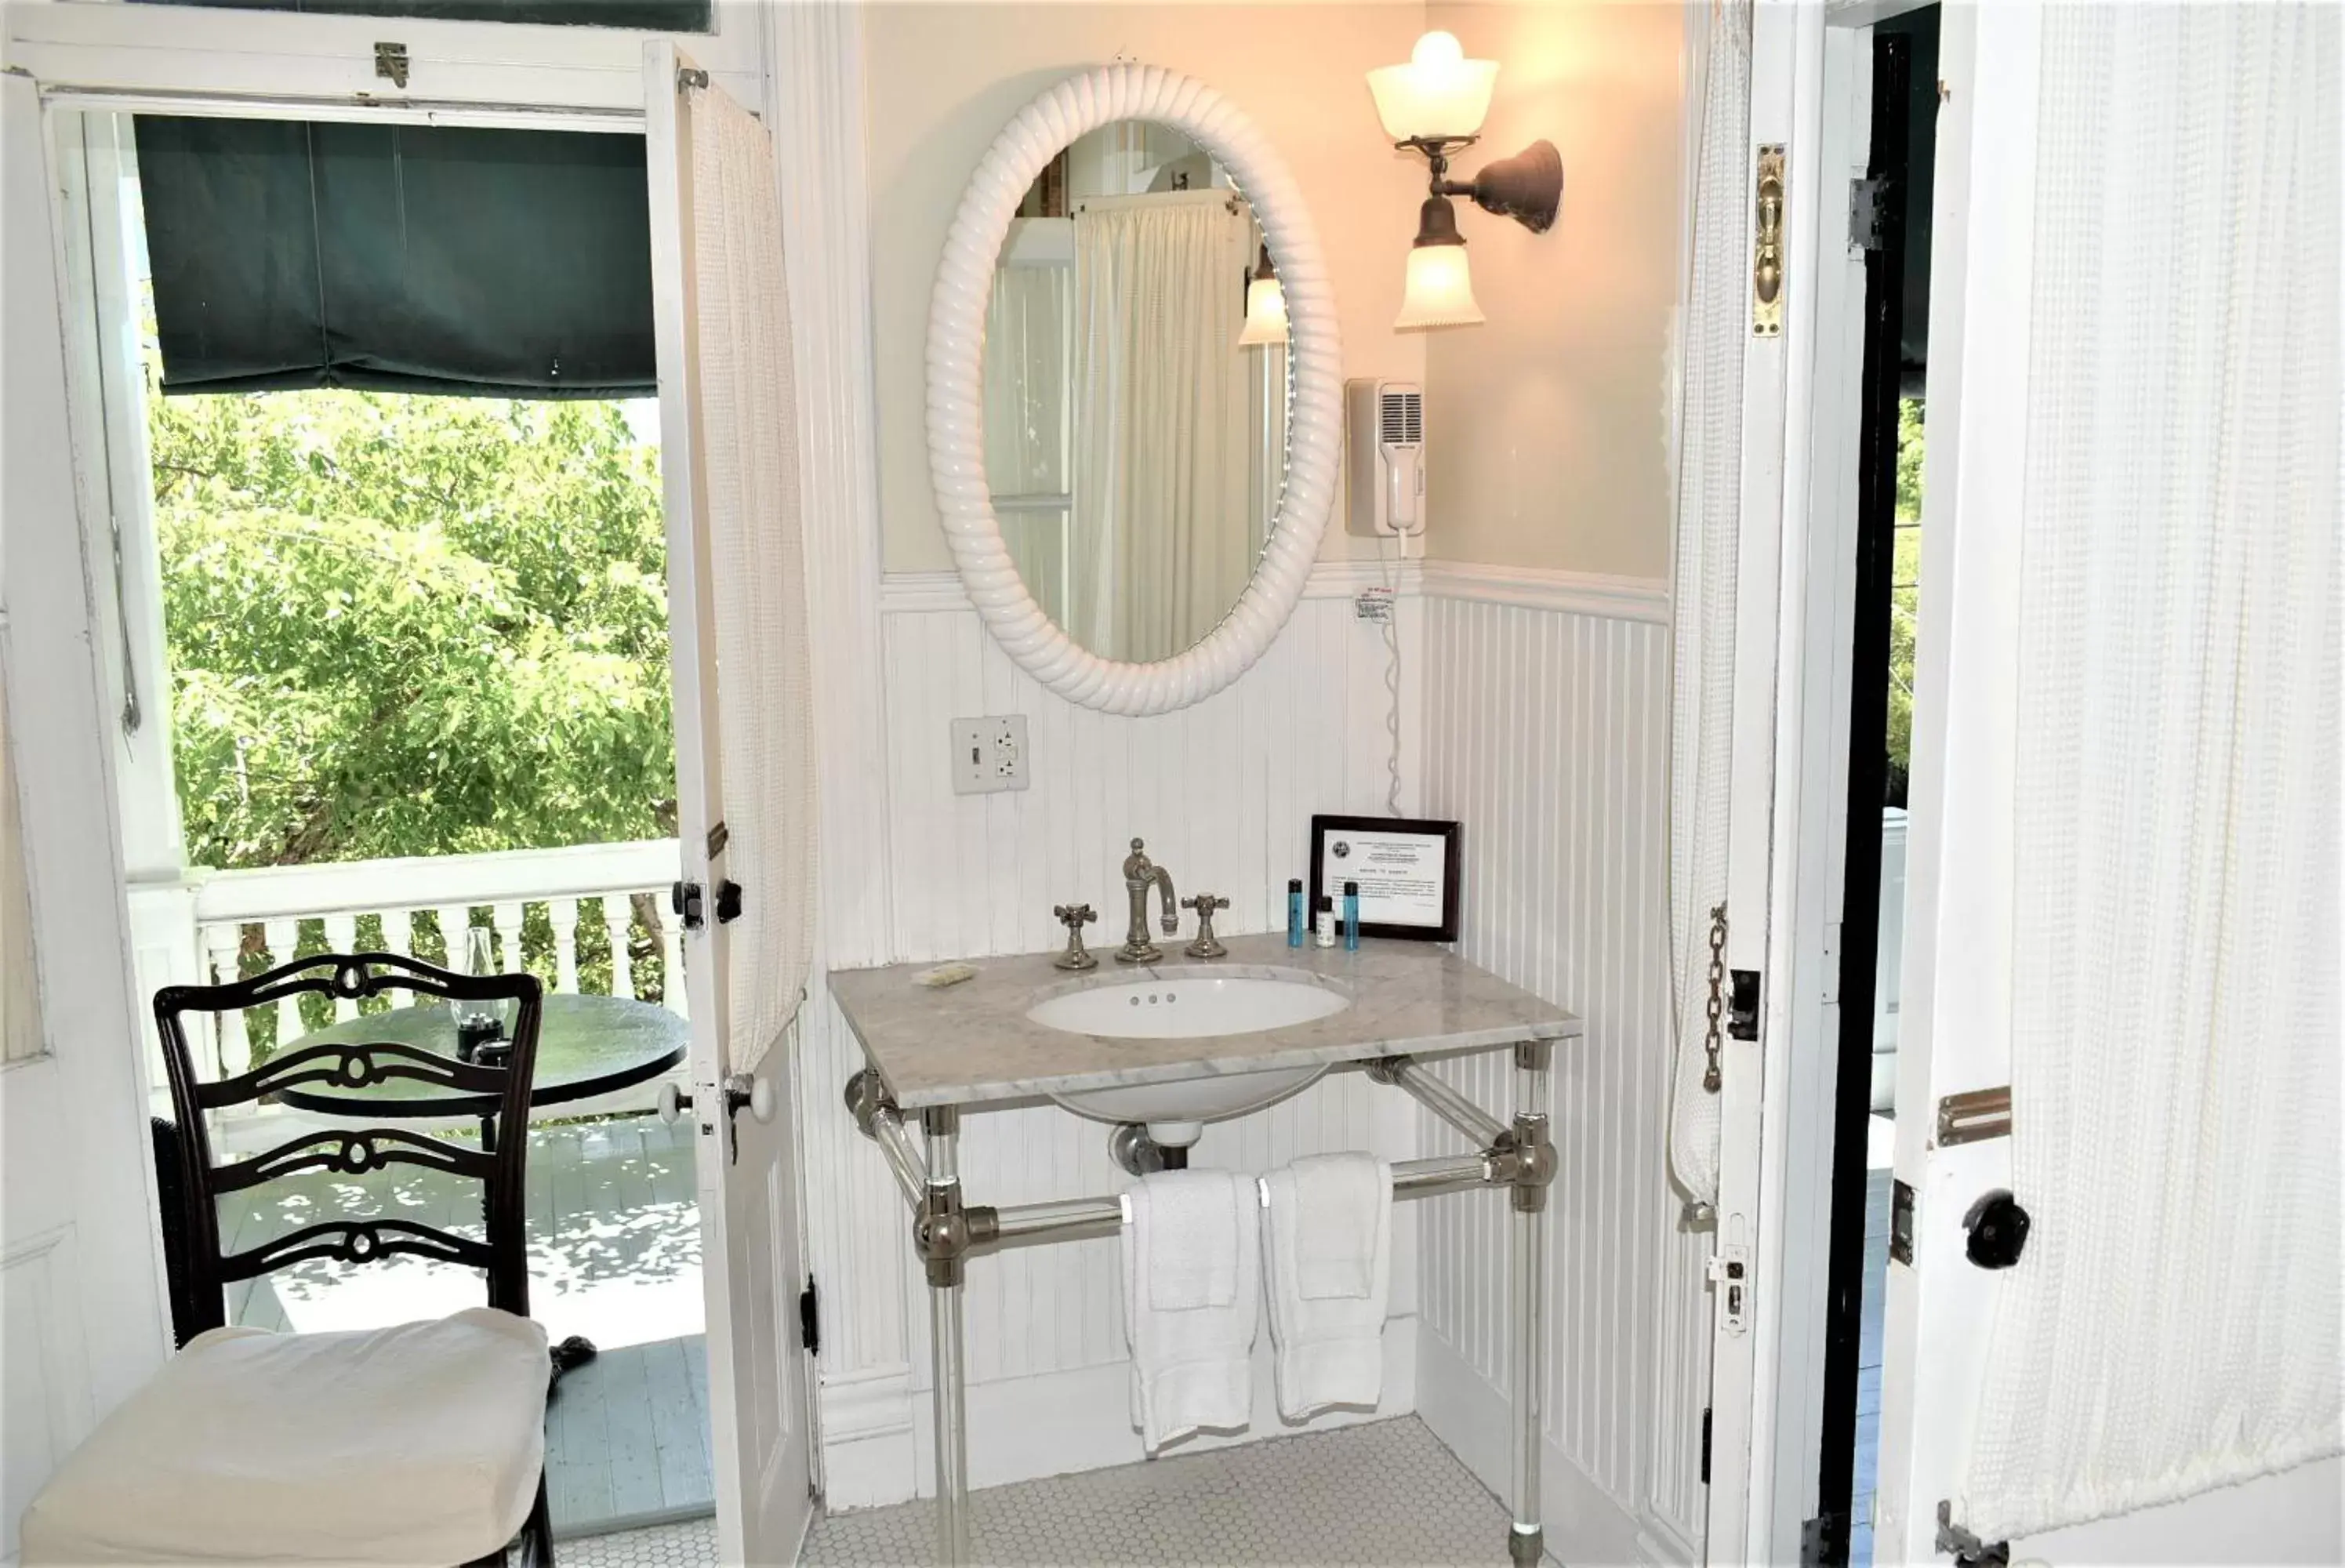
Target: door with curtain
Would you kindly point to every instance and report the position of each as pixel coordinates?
(2112, 1307)
(745, 798)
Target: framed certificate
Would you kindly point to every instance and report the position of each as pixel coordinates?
(1407, 870)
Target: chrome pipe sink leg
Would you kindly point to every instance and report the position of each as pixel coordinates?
(1527, 1539)
(943, 1215)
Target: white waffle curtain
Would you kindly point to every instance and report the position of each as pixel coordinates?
(748, 415)
(2174, 1063)
(1709, 492)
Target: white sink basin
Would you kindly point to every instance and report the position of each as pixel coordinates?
(1188, 1005)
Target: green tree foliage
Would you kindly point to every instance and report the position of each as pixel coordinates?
(410, 626)
(1905, 596)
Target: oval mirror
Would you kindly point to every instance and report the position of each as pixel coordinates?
(1132, 390)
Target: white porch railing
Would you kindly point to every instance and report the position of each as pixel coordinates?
(198, 929)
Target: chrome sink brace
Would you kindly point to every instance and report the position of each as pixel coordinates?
(947, 1232)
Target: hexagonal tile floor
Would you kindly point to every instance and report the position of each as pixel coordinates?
(1387, 1493)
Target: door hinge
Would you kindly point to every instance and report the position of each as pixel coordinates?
(391, 63)
(1966, 1549)
(1901, 1223)
(1705, 1445)
(1729, 1270)
(728, 903)
(1819, 1540)
(1868, 206)
(685, 899)
(1742, 1004)
(810, 1318)
(1767, 245)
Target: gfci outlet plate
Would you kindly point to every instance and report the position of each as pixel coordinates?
(988, 755)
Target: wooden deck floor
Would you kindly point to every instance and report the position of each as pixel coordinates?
(615, 1255)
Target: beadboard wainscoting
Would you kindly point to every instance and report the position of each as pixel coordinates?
(1223, 793)
(1547, 733)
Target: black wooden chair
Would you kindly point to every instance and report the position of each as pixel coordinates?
(415, 1444)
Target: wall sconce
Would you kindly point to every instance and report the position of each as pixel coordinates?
(1436, 105)
(1266, 316)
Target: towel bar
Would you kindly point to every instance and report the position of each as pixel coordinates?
(1517, 1156)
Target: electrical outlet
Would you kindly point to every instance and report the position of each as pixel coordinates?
(988, 755)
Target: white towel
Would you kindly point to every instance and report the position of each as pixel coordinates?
(1330, 1260)
(1191, 1299)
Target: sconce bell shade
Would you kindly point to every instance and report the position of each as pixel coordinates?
(1266, 316)
(1526, 188)
(1439, 95)
(1440, 291)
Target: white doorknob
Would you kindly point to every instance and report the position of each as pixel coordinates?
(757, 1094)
(672, 1102)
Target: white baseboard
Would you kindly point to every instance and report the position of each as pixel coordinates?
(1585, 1524)
(878, 1443)
(867, 1437)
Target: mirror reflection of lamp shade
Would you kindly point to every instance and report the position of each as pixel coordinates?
(1439, 95)
(1265, 311)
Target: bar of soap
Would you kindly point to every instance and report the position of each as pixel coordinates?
(944, 975)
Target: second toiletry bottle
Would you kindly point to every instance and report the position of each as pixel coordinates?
(1295, 921)
(1352, 917)
(1325, 931)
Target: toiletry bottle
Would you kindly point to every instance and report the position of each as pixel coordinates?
(1294, 911)
(1352, 916)
(1325, 934)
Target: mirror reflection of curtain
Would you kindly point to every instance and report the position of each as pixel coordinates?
(1163, 539)
(1026, 380)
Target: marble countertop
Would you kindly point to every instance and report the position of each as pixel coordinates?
(971, 1043)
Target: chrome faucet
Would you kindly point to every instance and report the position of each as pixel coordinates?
(1140, 873)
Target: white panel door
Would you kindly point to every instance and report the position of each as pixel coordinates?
(747, 1164)
(81, 1311)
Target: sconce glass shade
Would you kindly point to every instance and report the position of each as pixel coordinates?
(1439, 95)
(1266, 316)
(1440, 291)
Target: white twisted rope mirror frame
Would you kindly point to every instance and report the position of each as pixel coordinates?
(957, 312)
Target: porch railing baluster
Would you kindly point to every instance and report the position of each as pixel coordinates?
(619, 920)
(561, 914)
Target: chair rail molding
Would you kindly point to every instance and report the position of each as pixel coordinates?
(1607, 597)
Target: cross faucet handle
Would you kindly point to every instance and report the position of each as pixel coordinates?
(1074, 918)
(1206, 946)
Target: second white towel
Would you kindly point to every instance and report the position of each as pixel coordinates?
(1191, 1302)
(1329, 1247)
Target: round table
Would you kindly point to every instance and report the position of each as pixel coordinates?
(586, 1046)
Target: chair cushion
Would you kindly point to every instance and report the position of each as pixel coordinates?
(417, 1444)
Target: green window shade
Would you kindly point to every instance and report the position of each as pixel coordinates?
(490, 263)
(651, 15)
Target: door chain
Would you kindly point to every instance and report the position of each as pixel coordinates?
(1712, 1041)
